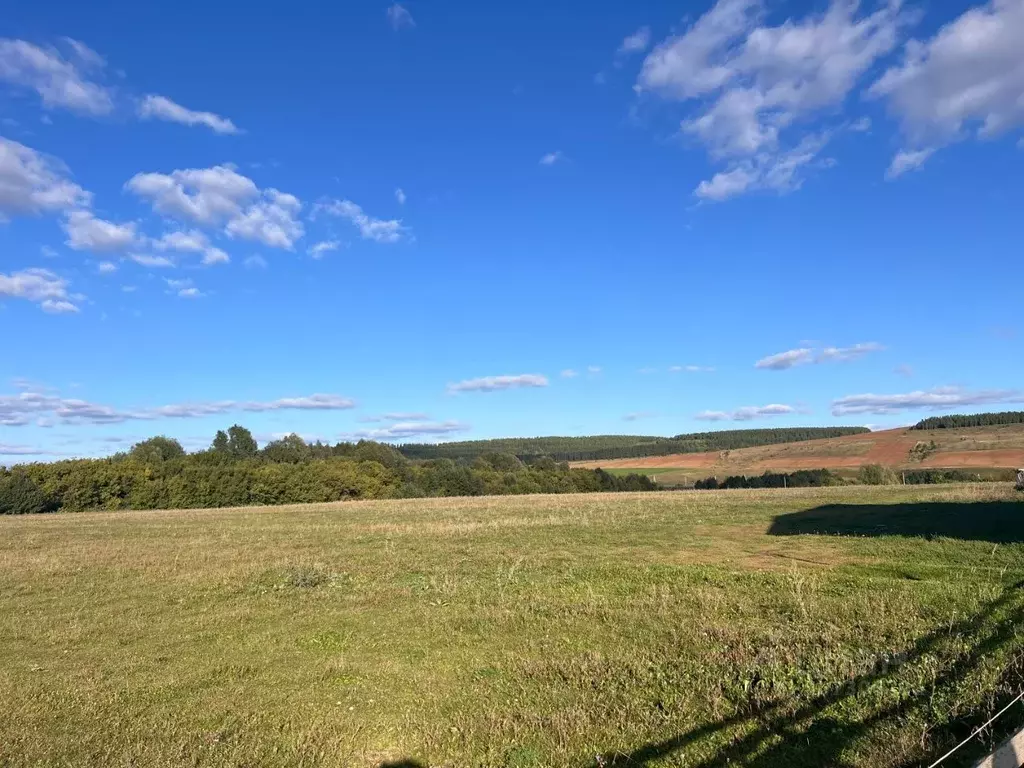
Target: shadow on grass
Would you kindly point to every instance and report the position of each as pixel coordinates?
(1000, 522)
(785, 734)
(406, 763)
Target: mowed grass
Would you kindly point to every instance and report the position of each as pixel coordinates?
(856, 626)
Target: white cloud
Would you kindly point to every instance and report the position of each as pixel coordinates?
(804, 355)
(399, 17)
(843, 354)
(861, 125)
(747, 413)
(191, 241)
(162, 108)
(787, 359)
(317, 250)
(88, 233)
(908, 160)
(569, 373)
(220, 196)
(552, 157)
(636, 43)
(400, 196)
(147, 260)
(106, 268)
(593, 370)
(32, 183)
(209, 196)
(190, 293)
(691, 369)
(48, 252)
(495, 383)
(86, 55)
(59, 82)
(6, 449)
(255, 262)
(273, 221)
(370, 228)
(780, 172)
(40, 286)
(23, 408)
(410, 429)
(938, 398)
(966, 79)
(754, 83)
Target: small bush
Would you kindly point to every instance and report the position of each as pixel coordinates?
(305, 577)
(876, 474)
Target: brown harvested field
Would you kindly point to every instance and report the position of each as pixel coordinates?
(973, 447)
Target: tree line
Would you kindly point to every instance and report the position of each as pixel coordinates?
(869, 474)
(957, 420)
(158, 474)
(604, 447)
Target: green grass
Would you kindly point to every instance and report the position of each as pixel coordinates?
(851, 626)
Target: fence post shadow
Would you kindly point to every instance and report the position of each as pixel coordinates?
(811, 741)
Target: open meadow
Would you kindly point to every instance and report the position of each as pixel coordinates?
(845, 626)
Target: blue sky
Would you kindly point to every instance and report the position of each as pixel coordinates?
(426, 222)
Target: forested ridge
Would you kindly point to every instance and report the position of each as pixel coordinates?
(957, 420)
(158, 474)
(600, 447)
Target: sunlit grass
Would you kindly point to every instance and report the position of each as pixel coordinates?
(519, 631)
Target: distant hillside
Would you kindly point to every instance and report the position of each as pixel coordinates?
(998, 446)
(957, 420)
(603, 447)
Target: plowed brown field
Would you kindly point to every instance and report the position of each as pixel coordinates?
(974, 447)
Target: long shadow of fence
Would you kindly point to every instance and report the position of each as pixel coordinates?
(775, 736)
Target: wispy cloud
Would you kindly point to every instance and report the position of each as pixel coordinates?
(804, 355)
(22, 408)
(496, 383)
(400, 196)
(638, 42)
(34, 183)
(40, 286)
(412, 429)
(754, 100)
(370, 228)
(59, 81)
(747, 413)
(938, 398)
(907, 160)
(161, 108)
(551, 158)
(569, 373)
(399, 17)
(964, 82)
(788, 359)
(317, 250)
(691, 369)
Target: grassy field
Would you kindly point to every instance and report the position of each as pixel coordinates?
(856, 626)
